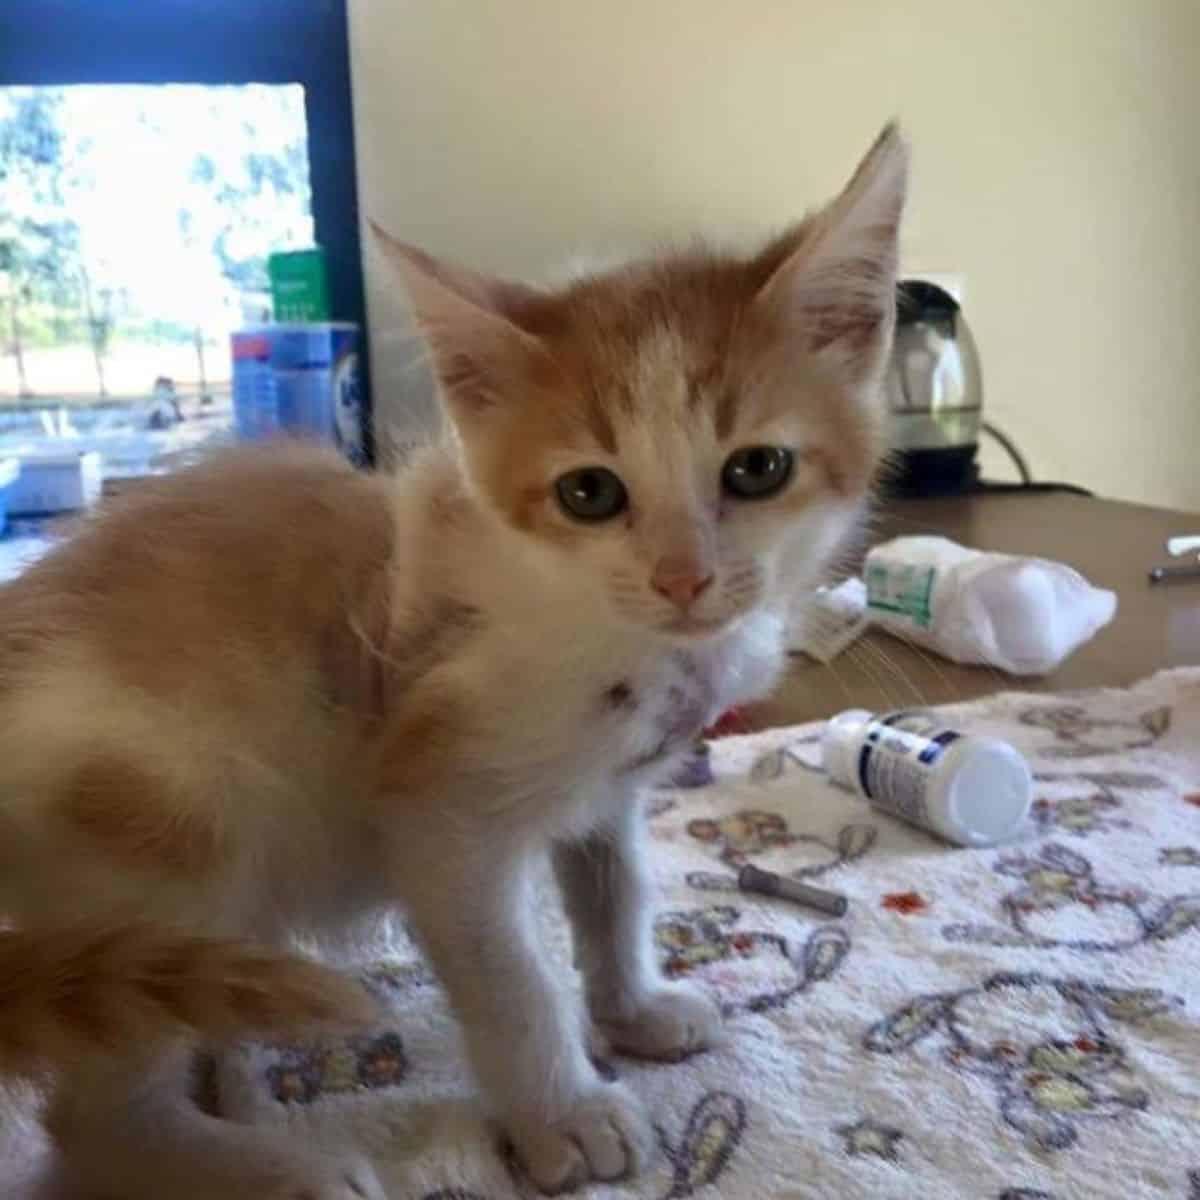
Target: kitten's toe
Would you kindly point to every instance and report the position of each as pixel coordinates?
(677, 1020)
(605, 1137)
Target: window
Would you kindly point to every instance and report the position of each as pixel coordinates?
(135, 225)
(152, 154)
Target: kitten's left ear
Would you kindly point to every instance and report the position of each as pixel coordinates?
(837, 288)
(470, 323)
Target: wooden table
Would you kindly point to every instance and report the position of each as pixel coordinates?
(1113, 544)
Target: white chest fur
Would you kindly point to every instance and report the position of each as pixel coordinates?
(568, 725)
(688, 688)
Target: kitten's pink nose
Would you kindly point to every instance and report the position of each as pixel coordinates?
(680, 582)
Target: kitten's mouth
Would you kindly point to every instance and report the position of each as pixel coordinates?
(650, 757)
(697, 627)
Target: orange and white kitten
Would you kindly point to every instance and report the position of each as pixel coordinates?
(270, 697)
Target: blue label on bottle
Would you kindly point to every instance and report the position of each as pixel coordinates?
(937, 746)
(894, 764)
(864, 763)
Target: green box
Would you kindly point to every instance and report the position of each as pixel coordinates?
(299, 287)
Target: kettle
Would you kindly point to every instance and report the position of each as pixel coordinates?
(934, 394)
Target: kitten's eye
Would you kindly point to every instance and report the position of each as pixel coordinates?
(591, 494)
(756, 472)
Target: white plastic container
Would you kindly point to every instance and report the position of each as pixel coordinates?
(973, 791)
(1022, 615)
(10, 468)
(56, 481)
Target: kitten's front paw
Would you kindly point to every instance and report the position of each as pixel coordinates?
(605, 1137)
(676, 1021)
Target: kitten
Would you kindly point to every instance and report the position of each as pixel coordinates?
(270, 697)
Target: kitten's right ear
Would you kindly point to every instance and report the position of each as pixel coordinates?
(836, 289)
(480, 354)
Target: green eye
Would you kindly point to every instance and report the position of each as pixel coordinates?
(591, 494)
(756, 472)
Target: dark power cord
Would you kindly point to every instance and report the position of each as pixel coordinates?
(1010, 447)
(1027, 482)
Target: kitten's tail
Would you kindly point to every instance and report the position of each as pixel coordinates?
(69, 992)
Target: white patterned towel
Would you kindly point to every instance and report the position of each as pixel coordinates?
(1002, 1024)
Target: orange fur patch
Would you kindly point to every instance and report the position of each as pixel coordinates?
(119, 807)
(200, 583)
(418, 750)
(65, 993)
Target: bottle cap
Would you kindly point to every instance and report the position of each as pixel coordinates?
(990, 793)
(839, 748)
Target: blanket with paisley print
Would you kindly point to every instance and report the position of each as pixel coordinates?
(1008, 1023)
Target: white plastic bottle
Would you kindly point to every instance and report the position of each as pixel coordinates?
(975, 791)
(1022, 615)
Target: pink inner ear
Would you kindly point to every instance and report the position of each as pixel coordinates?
(855, 325)
(479, 353)
(835, 300)
(460, 376)
(481, 358)
(838, 286)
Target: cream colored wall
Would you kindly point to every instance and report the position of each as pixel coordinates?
(1057, 167)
